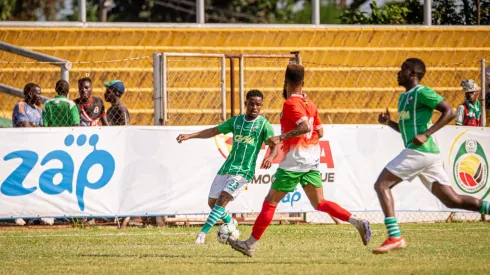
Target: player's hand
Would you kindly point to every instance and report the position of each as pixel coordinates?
(273, 141)
(182, 137)
(384, 118)
(266, 163)
(420, 139)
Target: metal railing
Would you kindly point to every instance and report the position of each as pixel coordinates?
(64, 65)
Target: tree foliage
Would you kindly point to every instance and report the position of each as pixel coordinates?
(386, 15)
(444, 12)
(30, 10)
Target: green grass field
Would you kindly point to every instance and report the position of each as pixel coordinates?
(285, 249)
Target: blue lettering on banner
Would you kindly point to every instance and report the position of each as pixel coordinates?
(12, 186)
(292, 197)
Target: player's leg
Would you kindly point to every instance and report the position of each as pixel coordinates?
(407, 165)
(226, 217)
(386, 180)
(212, 202)
(437, 181)
(214, 192)
(383, 185)
(312, 184)
(451, 199)
(232, 187)
(284, 182)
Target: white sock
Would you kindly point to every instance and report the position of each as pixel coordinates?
(354, 221)
(252, 242)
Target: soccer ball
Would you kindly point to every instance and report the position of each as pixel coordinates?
(227, 230)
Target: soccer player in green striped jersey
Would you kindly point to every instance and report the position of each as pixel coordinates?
(249, 132)
(421, 157)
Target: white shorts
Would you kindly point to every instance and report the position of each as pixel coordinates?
(412, 163)
(231, 184)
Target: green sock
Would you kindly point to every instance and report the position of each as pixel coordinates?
(226, 217)
(213, 217)
(485, 208)
(392, 227)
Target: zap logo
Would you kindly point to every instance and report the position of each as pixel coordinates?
(470, 166)
(54, 181)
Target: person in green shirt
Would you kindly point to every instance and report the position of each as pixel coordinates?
(60, 111)
(249, 132)
(421, 156)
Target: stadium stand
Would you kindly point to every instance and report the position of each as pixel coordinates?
(351, 72)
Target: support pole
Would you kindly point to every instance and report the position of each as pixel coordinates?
(232, 86)
(200, 11)
(157, 89)
(428, 13)
(82, 11)
(241, 79)
(315, 12)
(483, 93)
(223, 88)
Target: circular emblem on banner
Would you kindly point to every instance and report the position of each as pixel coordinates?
(96, 110)
(470, 168)
(223, 144)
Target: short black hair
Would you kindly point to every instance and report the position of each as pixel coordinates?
(62, 87)
(295, 73)
(83, 80)
(29, 86)
(254, 93)
(418, 67)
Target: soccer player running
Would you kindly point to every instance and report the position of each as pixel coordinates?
(249, 132)
(421, 156)
(301, 130)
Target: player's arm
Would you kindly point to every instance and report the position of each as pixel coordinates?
(447, 115)
(208, 133)
(301, 129)
(267, 162)
(320, 133)
(274, 149)
(318, 125)
(224, 128)
(384, 118)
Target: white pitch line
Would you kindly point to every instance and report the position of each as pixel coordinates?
(445, 229)
(192, 233)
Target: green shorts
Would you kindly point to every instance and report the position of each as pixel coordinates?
(286, 181)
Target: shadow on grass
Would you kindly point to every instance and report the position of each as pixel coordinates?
(233, 259)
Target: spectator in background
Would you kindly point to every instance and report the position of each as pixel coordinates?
(26, 113)
(470, 112)
(60, 111)
(90, 108)
(117, 114)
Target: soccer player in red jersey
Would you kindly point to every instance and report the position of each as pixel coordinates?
(301, 132)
